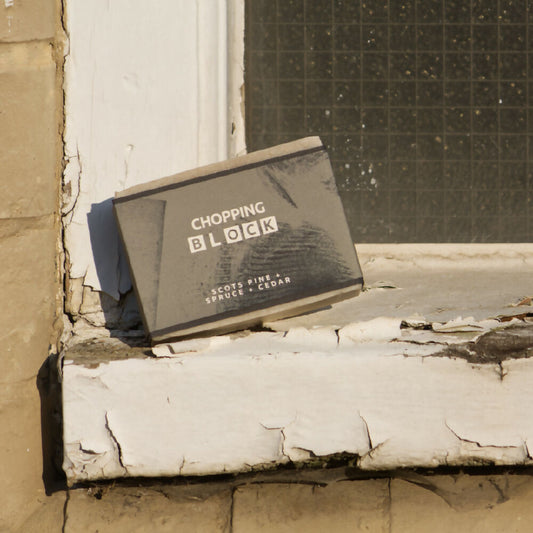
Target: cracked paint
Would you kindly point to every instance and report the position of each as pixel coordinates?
(278, 405)
(119, 131)
(507, 447)
(384, 389)
(282, 439)
(370, 445)
(116, 443)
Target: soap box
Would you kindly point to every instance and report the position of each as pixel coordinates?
(230, 245)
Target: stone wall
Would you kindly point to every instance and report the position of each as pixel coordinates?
(406, 503)
(30, 156)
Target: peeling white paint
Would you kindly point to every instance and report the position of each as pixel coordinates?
(358, 378)
(241, 405)
(146, 96)
(300, 340)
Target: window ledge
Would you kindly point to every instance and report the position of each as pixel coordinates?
(429, 366)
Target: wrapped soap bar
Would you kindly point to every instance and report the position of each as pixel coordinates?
(230, 245)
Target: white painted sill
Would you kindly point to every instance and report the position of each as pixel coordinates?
(424, 368)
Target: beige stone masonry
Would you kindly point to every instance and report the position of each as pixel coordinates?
(462, 504)
(28, 130)
(340, 507)
(30, 123)
(305, 501)
(161, 509)
(27, 278)
(27, 20)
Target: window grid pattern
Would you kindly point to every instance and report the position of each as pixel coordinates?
(425, 107)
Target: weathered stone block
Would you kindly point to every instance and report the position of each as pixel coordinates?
(28, 130)
(28, 281)
(350, 506)
(29, 289)
(44, 513)
(20, 442)
(463, 504)
(27, 20)
(157, 508)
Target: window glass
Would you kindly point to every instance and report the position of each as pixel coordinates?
(425, 107)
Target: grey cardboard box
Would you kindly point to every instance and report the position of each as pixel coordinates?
(229, 245)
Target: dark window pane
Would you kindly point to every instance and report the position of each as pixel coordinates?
(425, 107)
